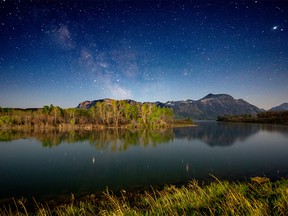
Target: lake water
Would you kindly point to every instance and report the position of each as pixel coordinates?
(47, 165)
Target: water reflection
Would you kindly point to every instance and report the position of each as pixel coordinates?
(277, 129)
(121, 140)
(211, 133)
(217, 133)
(108, 139)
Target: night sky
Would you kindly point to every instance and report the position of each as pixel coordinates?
(65, 52)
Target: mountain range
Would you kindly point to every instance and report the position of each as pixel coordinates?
(208, 107)
(282, 107)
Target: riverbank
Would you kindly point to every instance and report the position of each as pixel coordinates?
(257, 197)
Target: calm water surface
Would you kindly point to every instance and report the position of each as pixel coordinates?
(54, 164)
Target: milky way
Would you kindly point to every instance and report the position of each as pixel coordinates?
(64, 52)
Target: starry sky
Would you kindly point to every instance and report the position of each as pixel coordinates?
(65, 52)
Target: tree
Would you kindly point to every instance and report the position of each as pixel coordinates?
(83, 116)
(93, 114)
(71, 113)
(100, 112)
(144, 113)
(114, 112)
(108, 113)
(55, 111)
(46, 109)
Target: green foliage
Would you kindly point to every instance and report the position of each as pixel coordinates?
(6, 120)
(46, 109)
(109, 113)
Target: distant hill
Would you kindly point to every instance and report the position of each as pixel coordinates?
(209, 107)
(282, 107)
(212, 106)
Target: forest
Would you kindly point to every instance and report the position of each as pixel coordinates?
(269, 117)
(109, 113)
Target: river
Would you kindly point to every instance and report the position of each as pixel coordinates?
(48, 165)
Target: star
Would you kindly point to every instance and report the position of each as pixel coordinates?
(127, 54)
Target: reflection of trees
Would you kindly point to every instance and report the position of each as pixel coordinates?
(218, 134)
(212, 133)
(272, 128)
(121, 140)
(9, 135)
(107, 139)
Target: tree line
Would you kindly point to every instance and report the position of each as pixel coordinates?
(271, 117)
(108, 113)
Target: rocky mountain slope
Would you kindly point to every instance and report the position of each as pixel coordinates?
(282, 107)
(212, 106)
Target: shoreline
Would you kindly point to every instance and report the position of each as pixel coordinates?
(89, 127)
(258, 195)
(269, 117)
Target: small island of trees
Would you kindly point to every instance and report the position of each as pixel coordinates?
(107, 113)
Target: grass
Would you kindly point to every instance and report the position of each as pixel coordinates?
(215, 198)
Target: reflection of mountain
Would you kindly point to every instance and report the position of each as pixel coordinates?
(217, 134)
(212, 133)
(108, 139)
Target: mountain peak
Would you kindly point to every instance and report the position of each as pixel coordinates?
(213, 105)
(214, 96)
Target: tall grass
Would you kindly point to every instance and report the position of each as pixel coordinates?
(216, 198)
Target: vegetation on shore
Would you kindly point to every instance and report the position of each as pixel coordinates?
(109, 113)
(270, 117)
(258, 197)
